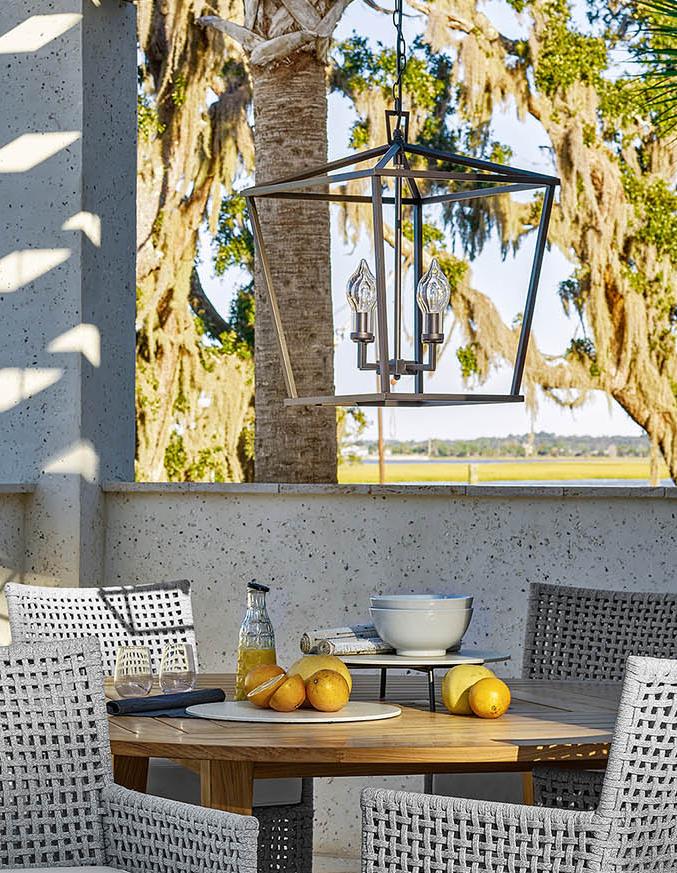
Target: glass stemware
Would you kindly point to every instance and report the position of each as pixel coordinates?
(133, 675)
(177, 668)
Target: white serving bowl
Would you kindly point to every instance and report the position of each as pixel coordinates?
(419, 633)
(421, 601)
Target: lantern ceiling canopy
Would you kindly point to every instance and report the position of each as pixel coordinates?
(393, 182)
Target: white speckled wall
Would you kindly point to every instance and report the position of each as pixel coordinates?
(323, 549)
(67, 255)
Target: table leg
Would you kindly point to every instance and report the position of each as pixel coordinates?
(130, 772)
(227, 785)
(428, 779)
(431, 689)
(528, 789)
(382, 691)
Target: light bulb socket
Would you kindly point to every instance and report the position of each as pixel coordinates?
(362, 332)
(432, 328)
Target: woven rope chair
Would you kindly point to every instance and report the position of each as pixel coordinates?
(633, 830)
(153, 615)
(587, 634)
(145, 615)
(58, 804)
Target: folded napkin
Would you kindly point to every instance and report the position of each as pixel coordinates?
(359, 639)
(168, 705)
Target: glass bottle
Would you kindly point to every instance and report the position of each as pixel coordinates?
(256, 643)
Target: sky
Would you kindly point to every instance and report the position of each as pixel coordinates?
(504, 281)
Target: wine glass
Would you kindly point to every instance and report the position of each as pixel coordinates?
(177, 668)
(133, 675)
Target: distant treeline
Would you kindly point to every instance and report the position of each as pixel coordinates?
(519, 446)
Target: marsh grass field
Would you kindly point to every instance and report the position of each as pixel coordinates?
(499, 470)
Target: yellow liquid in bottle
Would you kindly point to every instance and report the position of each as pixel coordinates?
(247, 659)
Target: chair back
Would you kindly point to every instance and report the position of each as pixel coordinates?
(54, 755)
(587, 634)
(639, 796)
(149, 615)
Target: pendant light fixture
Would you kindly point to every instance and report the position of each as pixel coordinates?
(368, 292)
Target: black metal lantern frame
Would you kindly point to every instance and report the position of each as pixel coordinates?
(390, 165)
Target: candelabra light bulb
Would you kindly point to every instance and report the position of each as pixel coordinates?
(361, 294)
(432, 295)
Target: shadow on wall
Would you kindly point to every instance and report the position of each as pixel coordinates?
(67, 300)
(42, 336)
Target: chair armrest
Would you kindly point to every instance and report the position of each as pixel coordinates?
(153, 835)
(567, 787)
(406, 831)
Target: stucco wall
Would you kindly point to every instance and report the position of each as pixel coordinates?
(13, 501)
(323, 549)
(67, 263)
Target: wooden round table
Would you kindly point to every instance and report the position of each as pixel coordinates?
(548, 721)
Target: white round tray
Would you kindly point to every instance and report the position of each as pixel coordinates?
(469, 656)
(240, 710)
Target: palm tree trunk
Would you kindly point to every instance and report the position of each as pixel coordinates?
(290, 116)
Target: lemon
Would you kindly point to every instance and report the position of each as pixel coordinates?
(310, 664)
(258, 675)
(457, 683)
(263, 693)
(489, 698)
(327, 691)
(289, 695)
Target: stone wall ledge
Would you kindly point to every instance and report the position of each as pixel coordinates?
(16, 488)
(523, 491)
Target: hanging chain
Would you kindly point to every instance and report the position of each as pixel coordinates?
(401, 55)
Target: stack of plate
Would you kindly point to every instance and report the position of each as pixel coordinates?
(421, 625)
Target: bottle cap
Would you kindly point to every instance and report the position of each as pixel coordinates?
(256, 586)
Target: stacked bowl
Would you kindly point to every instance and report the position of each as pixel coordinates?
(421, 625)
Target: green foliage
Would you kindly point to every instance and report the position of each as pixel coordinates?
(620, 102)
(359, 134)
(176, 458)
(657, 50)
(156, 228)
(541, 443)
(467, 358)
(431, 233)
(655, 206)
(234, 241)
(583, 350)
(571, 295)
(208, 466)
(454, 269)
(500, 153)
(178, 92)
(567, 56)
(359, 69)
(351, 422)
(245, 447)
(242, 318)
(148, 120)
(234, 247)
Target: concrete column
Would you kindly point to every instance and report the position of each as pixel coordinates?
(67, 258)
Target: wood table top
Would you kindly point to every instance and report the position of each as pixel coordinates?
(547, 721)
